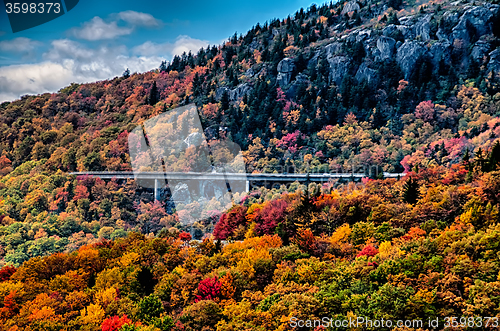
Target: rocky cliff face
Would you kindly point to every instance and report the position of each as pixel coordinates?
(285, 71)
(430, 36)
(458, 36)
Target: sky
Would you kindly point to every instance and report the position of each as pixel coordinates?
(98, 40)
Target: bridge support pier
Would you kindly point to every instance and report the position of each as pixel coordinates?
(157, 190)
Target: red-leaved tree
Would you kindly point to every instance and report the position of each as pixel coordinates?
(6, 272)
(368, 250)
(184, 236)
(114, 323)
(209, 289)
(270, 216)
(229, 222)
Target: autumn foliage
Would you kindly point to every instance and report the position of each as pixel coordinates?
(83, 253)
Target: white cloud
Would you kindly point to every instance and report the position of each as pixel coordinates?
(69, 61)
(182, 44)
(186, 44)
(97, 29)
(139, 19)
(17, 80)
(19, 45)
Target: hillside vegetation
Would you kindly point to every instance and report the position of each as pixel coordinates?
(392, 86)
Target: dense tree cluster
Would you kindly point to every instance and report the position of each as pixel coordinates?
(361, 251)
(80, 253)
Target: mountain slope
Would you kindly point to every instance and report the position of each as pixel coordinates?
(359, 85)
(370, 85)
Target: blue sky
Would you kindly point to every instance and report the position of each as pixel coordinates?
(99, 39)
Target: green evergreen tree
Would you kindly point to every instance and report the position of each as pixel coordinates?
(411, 191)
(153, 95)
(224, 101)
(466, 158)
(480, 161)
(494, 157)
(163, 66)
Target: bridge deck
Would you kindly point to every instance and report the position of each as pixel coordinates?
(248, 178)
(233, 176)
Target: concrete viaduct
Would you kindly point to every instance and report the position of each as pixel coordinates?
(251, 179)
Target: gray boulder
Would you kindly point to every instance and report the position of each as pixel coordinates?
(286, 65)
(365, 73)
(386, 47)
(480, 50)
(406, 31)
(423, 28)
(440, 51)
(363, 35)
(408, 55)
(220, 91)
(494, 63)
(285, 70)
(239, 91)
(350, 6)
(250, 72)
(475, 20)
(448, 21)
(339, 66)
(300, 79)
(389, 30)
(332, 49)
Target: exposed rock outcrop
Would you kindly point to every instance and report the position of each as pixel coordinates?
(386, 47)
(423, 27)
(440, 52)
(474, 23)
(300, 79)
(480, 50)
(250, 72)
(239, 91)
(332, 49)
(285, 71)
(350, 7)
(220, 91)
(314, 59)
(494, 63)
(448, 21)
(363, 35)
(365, 73)
(408, 55)
(234, 94)
(339, 66)
(408, 42)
